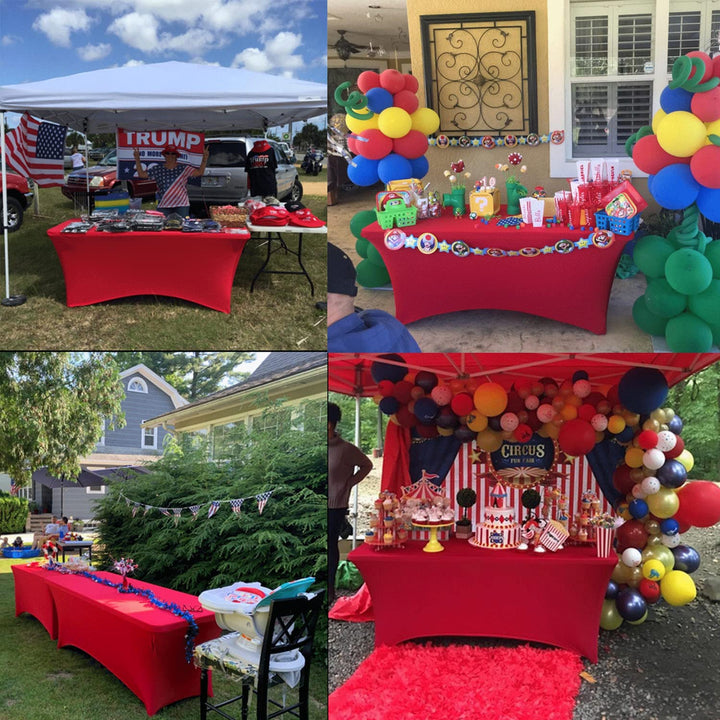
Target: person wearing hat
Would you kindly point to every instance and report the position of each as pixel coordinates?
(260, 166)
(366, 331)
(171, 179)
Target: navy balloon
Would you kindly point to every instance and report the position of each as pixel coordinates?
(494, 423)
(672, 474)
(675, 425)
(675, 188)
(642, 389)
(362, 171)
(612, 590)
(669, 526)
(672, 100)
(446, 418)
(708, 202)
(638, 508)
(420, 167)
(465, 434)
(425, 410)
(580, 375)
(626, 434)
(630, 604)
(389, 405)
(385, 371)
(687, 558)
(394, 167)
(380, 99)
(426, 380)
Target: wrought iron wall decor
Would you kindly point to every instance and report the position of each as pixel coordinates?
(480, 71)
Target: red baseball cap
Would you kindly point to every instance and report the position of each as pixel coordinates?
(170, 149)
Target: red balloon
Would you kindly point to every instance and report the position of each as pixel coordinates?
(631, 534)
(612, 395)
(386, 387)
(623, 480)
(523, 433)
(373, 144)
(705, 164)
(699, 503)
(427, 431)
(515, 403)
(392, 80)
(706, 105)
(405, 417)
(533, 421)
(647, 439)
(368, 80)
(650, 590)
(706, 60)
(411, 83)
(677, 450)
(650, 157)
(352, 145)
(576, 437)
(586, 412)
(594, 398)
(406, 100)
(462, 404)
(413, 145)
(402, 391)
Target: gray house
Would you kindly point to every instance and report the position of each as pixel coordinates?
(147, 395)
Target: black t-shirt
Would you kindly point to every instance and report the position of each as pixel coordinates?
(260, 168)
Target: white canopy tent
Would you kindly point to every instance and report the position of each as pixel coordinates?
(157, 97)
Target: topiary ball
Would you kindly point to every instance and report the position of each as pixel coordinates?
(706, 305)
(688, 271)
(370, 275)
(651, 253)
(361, 247)
(712, 253)
(662, 300)
(688, 333)
(646, 320)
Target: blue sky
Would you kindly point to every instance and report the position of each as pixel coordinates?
(40, 39)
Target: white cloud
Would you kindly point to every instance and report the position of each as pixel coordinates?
(133, 63)
(58, 24)
(9, 40)
(89, 53)
(137, 30)
(276, 55)
(193, 42)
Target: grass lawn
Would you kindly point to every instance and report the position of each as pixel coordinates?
(40, 681)
(279, 315)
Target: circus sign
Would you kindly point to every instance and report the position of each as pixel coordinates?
(522, 465)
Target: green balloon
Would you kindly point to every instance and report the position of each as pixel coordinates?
(706, 305)
(647, 321)
(361, 220)
(370, 275)
(688, 333)
(651, 253)
(361, 247)
(374, 256)
(610, 618)
(712, 253)
(662, 300)
(715, 333)
(688, 271)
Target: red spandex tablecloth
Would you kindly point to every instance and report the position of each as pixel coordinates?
(142, 645)
(32, 595)
(573, 288)
(100, 266)
(553, 598)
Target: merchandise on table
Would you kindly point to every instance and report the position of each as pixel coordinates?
(229, 215)
(78, 227)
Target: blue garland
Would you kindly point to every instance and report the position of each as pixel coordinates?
(193, 629)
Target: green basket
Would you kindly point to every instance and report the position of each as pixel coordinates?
(406, 217)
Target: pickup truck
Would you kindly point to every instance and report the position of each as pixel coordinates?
(20, 194)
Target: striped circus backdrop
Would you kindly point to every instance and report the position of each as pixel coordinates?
(465, 473)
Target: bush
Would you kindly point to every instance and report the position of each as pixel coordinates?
(13, 513)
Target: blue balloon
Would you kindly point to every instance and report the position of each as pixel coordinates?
(626, 434)
(675, 188)
(669, 526)
(612, 590)
(394, 167)
(380, 99)
(420, 167)
(638, 508)
(389, 405)
(650, 180)
(677, 99)
(387, 371)
(672, 474)
(642, 390)
(425, 410)
(579, 375)
(363, 171)
(630, 604)
(708, 202)
(687, 558)
(675, 425)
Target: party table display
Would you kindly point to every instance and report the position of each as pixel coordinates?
(388, 527)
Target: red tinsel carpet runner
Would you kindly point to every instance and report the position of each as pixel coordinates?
(460, 682)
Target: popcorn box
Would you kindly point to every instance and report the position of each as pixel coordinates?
(554, 535)
(484, 202)
(603, 540)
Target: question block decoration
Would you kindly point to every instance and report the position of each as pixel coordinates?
(681, 154)
(485, 202)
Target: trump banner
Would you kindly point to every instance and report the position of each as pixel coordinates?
(190, 146)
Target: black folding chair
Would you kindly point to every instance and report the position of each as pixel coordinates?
(293, 622)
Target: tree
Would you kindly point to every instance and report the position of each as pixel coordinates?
(53, 408)
(74, 138)
(192, 374)
(310, 135)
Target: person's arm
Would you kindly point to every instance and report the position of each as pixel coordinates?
(361, 461)
(200, 170)
(142, 173)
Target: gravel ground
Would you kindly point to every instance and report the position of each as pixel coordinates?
(664, 669)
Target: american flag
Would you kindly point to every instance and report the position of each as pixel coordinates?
(35, 149)
(13, 487)
(194, 509)
(177, 512)
(262, 499)
(236, 505)
(214, 507)
(165, 511)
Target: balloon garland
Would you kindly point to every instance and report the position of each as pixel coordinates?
(657, 503)
(681, 154)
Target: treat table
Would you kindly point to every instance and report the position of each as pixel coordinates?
(32, 595)
(142, 645)
(572, 287)
(100, 266)
(78, 545)
(270, 234)
(552, 598)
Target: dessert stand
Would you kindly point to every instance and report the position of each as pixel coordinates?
(433, 545)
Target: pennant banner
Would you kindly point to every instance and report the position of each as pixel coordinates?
(236, 505)
(262, 499)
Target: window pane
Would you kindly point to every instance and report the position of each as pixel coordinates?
(683, 35)
(591, 45)
(715, 32)
(634, 43)
(634, 104)
(590, 120)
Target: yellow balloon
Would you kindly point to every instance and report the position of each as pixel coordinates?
(394, 122)
(664, 503)
(550, 430)
(657, 117)
(425, 120)
(678, 588)
(610, 618)
(616, 424)
(490, 399)
(489, 440)
(357, 126)
(445, 432)
(711, 128)
(686, 459)
(623, 511)
(634, 457)
(681, 133)
(569, 412)
(653, 570)
(477, 422)
(639, 621)
(665, 556)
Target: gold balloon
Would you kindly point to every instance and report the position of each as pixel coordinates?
(634, 576)
(636, 474)
(664, 426)
(640, 621)
(654, 539)
(489, 440)
(669, 414)
(477, 422)
(686, 459)
(661, 553)
(658, 415)
(651, 424)
(552, 430)
(634, 458)
(664, 503)
(632, 419)
(619, 573)
(652, 526)
(610, 618)
(377, 398)
(445, 432)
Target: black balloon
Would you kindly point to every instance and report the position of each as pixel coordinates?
(530, 499)
(385, 371)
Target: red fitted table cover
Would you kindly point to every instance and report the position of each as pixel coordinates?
(143, 646)
(32, 595)
(100, 266)
(573, 288)
(552, 598)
